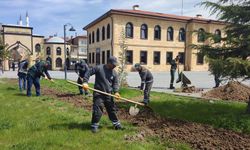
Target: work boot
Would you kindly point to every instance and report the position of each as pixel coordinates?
(171, 87)
(94, 129)
(118, 127)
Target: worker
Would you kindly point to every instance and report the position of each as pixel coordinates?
(173, 68)
(106, 80)
(81, 69)
(22, 74)
(146, 82)
(34, 73)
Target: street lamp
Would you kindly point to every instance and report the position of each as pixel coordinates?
(65, 52)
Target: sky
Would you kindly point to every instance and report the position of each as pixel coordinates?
(47, 17)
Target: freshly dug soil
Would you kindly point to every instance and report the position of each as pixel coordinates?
(198, 136)
(231, 91)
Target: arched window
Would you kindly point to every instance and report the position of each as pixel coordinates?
(157, 32)
(182, 35)
(129, 30)
(50, 62)
(170, 34)
(38, 48)
(58, 51)
(108, 31)
(93, 37)
(201, 35)
(217, 36)
(48, 51)
(98, 35)
(103, 33)
(144, 31)
(58, 62)
(90, 38)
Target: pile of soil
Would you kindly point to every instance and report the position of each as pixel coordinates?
(198, 136)
(231, 91)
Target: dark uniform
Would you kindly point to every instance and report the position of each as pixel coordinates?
(34, 74)
(22, 74)
(146, 82)
(106, 80)
(172, 72)
(81, 69)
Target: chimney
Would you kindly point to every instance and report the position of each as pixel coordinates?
(136, 7)
(198, 16)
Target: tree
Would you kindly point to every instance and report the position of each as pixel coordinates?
(122, 74)
(229, 54)
(4, 54)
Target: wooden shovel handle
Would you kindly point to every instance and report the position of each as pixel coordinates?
(108, 94)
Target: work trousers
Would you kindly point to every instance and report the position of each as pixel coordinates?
(36, 82)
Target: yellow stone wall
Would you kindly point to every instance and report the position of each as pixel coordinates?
(136, 44)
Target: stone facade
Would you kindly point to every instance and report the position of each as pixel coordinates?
(156, 49)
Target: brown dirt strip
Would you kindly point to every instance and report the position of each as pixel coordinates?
(198, 136)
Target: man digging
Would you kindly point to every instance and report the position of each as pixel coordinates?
(106, 80)
(146, 82)
(81, 69)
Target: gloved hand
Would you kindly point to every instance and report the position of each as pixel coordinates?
(52, 80)
(85, 86)
(118, 96)
(45, 77)
(141, 91)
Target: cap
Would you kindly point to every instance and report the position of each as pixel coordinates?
(112, 60)
(137, 65)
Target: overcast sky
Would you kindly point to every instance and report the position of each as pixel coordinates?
(47, 17)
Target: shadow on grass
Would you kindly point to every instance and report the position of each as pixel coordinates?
(11, 88)
(71, 126)
(21, 94)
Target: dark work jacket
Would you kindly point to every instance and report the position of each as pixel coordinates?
(146, 77)
(38, 70)
(23, 68)
(106, 80)
(173, 65)
(81, 69)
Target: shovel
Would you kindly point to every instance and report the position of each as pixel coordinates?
(133, 110)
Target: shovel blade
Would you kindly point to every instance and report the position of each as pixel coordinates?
(133, 110)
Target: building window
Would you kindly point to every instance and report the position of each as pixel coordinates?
(143, 57)
(170, 34)
(181, 57)
(93, 58)
(103, 33)
(98, 35)
(50, 62)
(90, 58)
(169, 57)
(58, 62)
(157, 58)
(217, 36)
(201, 35)
(182, 35)
(144, 31)
(129, 30)
(157, 33)
(103, 57)
(90, 38)
(58, 51)
(48, 51)
(108, 54)
(93, 37)
(129, 57)
(108, 31)
(200, 59)
(38, 48)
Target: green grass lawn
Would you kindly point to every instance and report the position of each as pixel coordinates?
(34, 123)
(220, 114)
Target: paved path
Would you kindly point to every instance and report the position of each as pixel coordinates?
(161, 80)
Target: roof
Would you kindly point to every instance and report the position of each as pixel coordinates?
(16, 26)
(149, 14)
(55, 40)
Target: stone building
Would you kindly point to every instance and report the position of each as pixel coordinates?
(153, 39)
